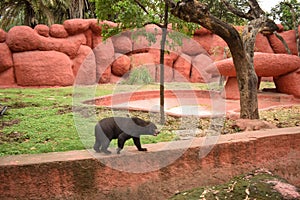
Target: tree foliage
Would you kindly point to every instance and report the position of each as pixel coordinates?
(135, 14)
(32, 12)
(284, 12)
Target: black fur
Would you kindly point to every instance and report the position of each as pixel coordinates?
(121, 128)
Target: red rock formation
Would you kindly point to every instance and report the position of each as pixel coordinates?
(104, 53)
(43, 68)
(42, 30)
(262, 44)
(2, 35)
(191, 47)
(141, 59)
(6, 61)
(22, 38)
(231, 89)
(122, 44)
(84, 66)
(58, 31)
(76, 26)
(7, 78)
(121, 65)
(182, 68)
(289, 83)
(265, 65)
(199, 64)
(289, 37)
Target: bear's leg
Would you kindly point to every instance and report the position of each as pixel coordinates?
(105, 143)
(121, 141)
(98, 133)
(137, 143)
(97, 146)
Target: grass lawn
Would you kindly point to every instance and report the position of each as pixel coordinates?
(40, 120)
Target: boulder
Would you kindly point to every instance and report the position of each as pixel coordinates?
(76, 26)
(104, 53)
(43, 68)
(115, 79)
(140, 44)
(205, 41)
(97, 39)
(68, 45)
(231, 89)
(289, 83)
(265, 64)
(6, 61)
(7, 78)
(121, 65)
(202, 31)
(262, 44)
(22, 38)
(42, 30)
(122, 44)
(217, 48)
(289, 37)
(168, 73)
(2, 35)
(191, 47)
(153, 28)
(182, 68)
(95, 26)
(199, 64)
(58, 31)
(169, 58)
(89, 38)
(84, 66)
(105, 75)
(141, 59)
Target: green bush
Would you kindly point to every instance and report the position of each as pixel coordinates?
(138, 76)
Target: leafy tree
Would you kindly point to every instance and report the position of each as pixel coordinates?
(216, 8)
(242, 48)
(25, 12)
(32, 12)
(287, 12)
(143, 12)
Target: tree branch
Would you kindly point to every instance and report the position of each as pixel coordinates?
(237, 12)
(141, 6)
(255, 9)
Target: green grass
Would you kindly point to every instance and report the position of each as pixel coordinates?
(40, 120)
(37, 121)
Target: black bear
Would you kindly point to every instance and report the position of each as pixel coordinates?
(121, 128)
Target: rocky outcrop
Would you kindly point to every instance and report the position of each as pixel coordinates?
(86, 58)
(6, 60)
(283, 67)
(43, 68)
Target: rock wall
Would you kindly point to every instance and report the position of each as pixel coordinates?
(74, 51)
(85, 175)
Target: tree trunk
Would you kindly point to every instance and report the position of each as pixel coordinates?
(162, 68)
(194, 11)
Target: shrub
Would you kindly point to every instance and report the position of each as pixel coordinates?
(138, 76)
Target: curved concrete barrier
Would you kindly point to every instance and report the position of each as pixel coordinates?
(80, 175)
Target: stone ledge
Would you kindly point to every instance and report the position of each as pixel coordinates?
(78, 174)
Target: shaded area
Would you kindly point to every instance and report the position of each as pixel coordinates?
(259, 184)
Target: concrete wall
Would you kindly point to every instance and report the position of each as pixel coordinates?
(83, 175)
